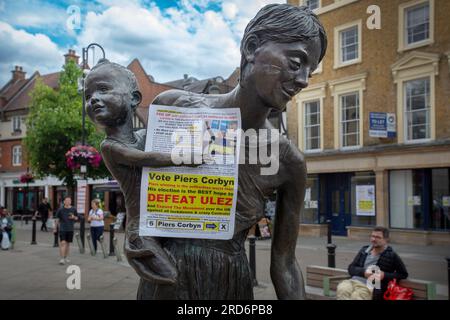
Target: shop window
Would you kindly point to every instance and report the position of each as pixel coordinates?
(407, 188)
(363, 199)
(440, 200)
(311, 205)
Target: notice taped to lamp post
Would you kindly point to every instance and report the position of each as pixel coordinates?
(196, 199)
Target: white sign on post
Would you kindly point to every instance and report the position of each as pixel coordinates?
(81, 196)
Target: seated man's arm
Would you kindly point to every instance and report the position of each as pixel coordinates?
(354, 269)
(400, 269)
(284, 268)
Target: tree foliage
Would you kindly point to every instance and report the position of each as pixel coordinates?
(54, 125)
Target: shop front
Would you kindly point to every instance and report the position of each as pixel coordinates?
(405, 188)
(344, 199)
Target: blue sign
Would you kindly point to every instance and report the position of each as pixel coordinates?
(382, 125)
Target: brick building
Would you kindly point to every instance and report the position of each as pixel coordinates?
(374, 122)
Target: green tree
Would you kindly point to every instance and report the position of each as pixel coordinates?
(54, 125)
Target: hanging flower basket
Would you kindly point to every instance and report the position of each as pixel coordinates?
(82, 155)
(26, 178)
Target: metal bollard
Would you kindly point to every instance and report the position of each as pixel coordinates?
(55, 242)
(33, 233)
(252, 247)
(102, 245)
(448, 276)
(77, 236)
(328, 231)
(331, 248)
(117, 251)
(82, 230)
(111, 239)
(91, 247)
(331, 255)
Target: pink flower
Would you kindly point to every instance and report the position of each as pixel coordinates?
(26, 178)
(82, 155)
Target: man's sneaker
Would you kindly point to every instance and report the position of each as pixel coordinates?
(67, 260)
(62, 262)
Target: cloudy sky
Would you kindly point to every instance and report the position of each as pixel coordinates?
(170, 37)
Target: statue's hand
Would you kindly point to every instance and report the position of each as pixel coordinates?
(149, 259)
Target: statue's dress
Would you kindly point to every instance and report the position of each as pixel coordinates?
(219, 269)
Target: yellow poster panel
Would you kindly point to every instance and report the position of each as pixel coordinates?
(365, 205)
(189, 194)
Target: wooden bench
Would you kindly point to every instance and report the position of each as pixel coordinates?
(327, 279)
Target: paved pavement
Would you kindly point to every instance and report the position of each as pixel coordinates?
(32, 271)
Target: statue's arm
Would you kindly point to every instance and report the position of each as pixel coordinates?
(134, 157)
(284, 269)
(169, 97)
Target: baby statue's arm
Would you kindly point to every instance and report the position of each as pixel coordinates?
(137, 158)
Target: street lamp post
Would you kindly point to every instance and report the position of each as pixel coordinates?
(85, 56)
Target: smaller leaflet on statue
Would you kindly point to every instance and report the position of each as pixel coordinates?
(196, 199)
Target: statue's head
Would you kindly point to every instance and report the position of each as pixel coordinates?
(281, 47)
(112, 94)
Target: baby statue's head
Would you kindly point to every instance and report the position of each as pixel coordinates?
(112, 94)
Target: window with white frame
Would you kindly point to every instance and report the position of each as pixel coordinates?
(349, 44)
(312, 4)
(17, 155)
(312, 125)
(137, 123)
(349, 105)
(16, 123)
(415, 77)
(416, 24)
(417, 109)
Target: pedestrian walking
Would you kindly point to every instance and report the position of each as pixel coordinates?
(43, 209)
(6, 227)
(95, 218)
(65, 219)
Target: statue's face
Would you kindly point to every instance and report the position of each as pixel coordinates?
(108, 97)
(281, 70)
